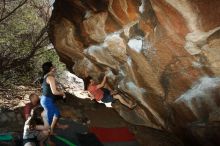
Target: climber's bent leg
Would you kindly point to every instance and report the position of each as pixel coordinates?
(123, 101)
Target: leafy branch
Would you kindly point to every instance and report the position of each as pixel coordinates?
(12, 12)
(40, 42)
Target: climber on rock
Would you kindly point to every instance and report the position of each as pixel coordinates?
(49, 89)
(99, 93)
(34, 101)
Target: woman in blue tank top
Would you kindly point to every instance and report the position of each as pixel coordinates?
(49, 90)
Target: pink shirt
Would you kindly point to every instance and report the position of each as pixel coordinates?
(27, 109)
(96, 92)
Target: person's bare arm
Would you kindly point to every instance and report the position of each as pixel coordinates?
(27, 111)
(102, 84)
(26, 116)
(53, 86)
(46, 125)
(91, 96)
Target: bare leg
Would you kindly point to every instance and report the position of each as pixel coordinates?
(114, 92)
(57, 125)
(42, 137)
(62, 126)
(53, 124)
(123, 101)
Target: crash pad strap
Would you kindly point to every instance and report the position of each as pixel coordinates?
(65, 141)
(69, 143)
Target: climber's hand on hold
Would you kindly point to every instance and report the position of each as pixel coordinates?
(91, 96)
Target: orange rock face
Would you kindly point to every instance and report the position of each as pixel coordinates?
(163, 53)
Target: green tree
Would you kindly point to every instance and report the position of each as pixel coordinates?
(24, 43)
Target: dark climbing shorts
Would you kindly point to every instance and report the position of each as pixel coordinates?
(107, 97)
(34, 140)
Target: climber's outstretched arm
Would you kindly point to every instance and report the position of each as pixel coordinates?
(102, 84)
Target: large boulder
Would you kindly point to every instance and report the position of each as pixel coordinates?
(163, 54)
